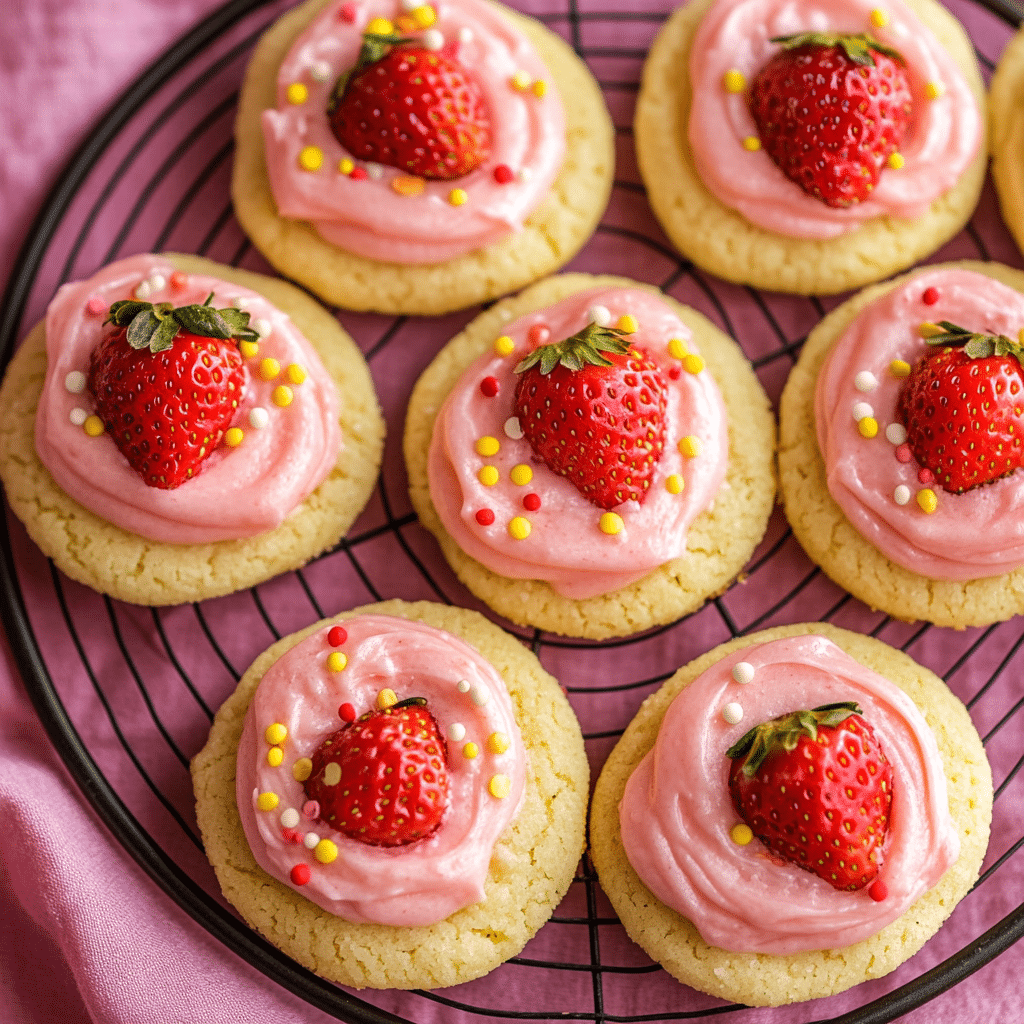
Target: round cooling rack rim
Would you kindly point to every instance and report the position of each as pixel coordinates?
(123, 825)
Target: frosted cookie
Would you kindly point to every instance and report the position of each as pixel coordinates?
(352, 882)
(638, 524)
(504, 194)
(907, 525)
(1007, 135)
(715, 172)
(265, 468)
(697, 874)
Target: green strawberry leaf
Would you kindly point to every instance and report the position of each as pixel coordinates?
(142, 327)
(975, 345)
(857, 47)
(583, 348)
(204, 321)
(375, 47)
(163, 337)
(156, 327)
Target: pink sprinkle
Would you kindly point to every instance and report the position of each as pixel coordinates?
(538, 334)
(95, 306)
(903, 453)
(337, 636)
(489, 386)
(357, 173)
(926, 476)
(878, 890)
(347, 13)
(347, 713)
(531, 502)
(674, 371)
(485, 517)
(503, 174)
(178, 280)
(311, 809)
(300, 874)
(291, 835)
(930, 297)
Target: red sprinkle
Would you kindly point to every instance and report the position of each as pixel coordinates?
(538, 334)
(337, 636)
(878, 890)
(300, 874)
(485, 517)
(926, 476)
(674, 371)
(903, 453)
(291, 835)
(930, 297)
(489, 386)
(95, 306)
(347, 713)
(347, 13)
(531, 502)
(178, 280)
(503, 174)
(357, 173)
(311, 809)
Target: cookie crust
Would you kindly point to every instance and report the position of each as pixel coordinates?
(1006, 127)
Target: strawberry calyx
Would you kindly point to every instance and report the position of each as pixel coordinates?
(581, 349)
(785, 732)
(975, 345)
(374, 49)
(156, 326)
(858, 47)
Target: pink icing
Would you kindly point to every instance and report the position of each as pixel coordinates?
(239, 492)
(426, 881)
(968, 536)
(676, 812)
(943, 138)
(566, 546)
(366, 216)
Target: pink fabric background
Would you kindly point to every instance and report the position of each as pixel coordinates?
(87, 936)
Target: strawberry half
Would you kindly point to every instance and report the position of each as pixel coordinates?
(389, 782)
(816, 789)
(963, 407)
(167, 382)
(593, 409)
(412, 108)
(830, 110)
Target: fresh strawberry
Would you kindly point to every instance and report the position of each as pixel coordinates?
(816, 789)
(963, 407)
(593, 409)
(167, 382)
(390, 786)
(830, 110)
(412, 108)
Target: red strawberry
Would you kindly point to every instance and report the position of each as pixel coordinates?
(830, 110)
(412, 108)
(390, 786)
(593, 409)
(166, 383)
(816, 789)
(963, 407)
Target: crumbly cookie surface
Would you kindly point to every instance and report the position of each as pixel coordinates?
(550, 237)
(141, 571)
(533, 863)
(1006, 127)
(723, 242)
(721, 539)
(761, 979)
(826, 534)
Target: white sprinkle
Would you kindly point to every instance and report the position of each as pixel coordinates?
(861, 410)
(239, 301)
(320, 71)
(258, 417)
(732, 713)
(310, 840)
(599, 315)
(513, 428)
(157, 281)
(75, 382)
(463, 686)
(901, 495)
(456, 732)
(865, 381)
(290, 818)
(432, 39)
(465, 34)
(262, 327)
(743, 672)
(525, 174)
(896, 433)
(144, 290)
(479, 696)
(411, 5)
(375, 171)
(78, 416)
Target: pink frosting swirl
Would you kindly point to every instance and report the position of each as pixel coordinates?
(238, 492)
(676, 812)
(426, 881)
(969, 536)
(366, 215)
(944, 135)
(566, 546)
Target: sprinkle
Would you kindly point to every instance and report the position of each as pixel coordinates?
(865, 381)
(879, 18)
(311, 158)
(470, 750)
(933, 90)
(930, 330)
(693, 363)
(379, 27)
(456, 732)
(521, 81)
(325, 851)
(896, 161)
(896, 433)
(275, 755)
(233, 437)
(387, 698)
(144, 290)
(611, 523)
(75, 382)
(346, 166)
(538, 334)
(901, 495)
(504, 346)
(93, 426)
(488, 476)
(899, 369)
(95, 306)
(407, 185)
(296, 373)
(458, 196)
(500, 786)
(861, 410)
(282, 396)
(157, 282)
(276, 733)
(689, 446)
(677, 348)
(465, 34)
(375, 171)
(743, 672)
(302, 769)
(485, 516)
(498, 743)
(410, 5)
(599, 315)
(359, 174)
(432, 39)
(479, 696)
(424, 15)
(297, 93)
(503, 174)
(521, 475)
(300, 874)
(320, 71)
(540, 89)
(734, 80)
(78, 416)
(262, 326)
(487, 446)
(741, 834)
(732, 713)
(513, 428)
(627, 322)
(347, 12)
(463, 686)
(903, 453)
(248, 348)
(868, 426)
(928, 500)
(930, 296)
(267, 801)
(336, 662)
(674, 484)
(258, 417)
(925, 476)
(269, 368)
(519, 528)
(878, 890)
(178, 280)
(332, 774)
(751, 143)
(489, 387)
(531, 502)
(310, 840)
(311, 809)
(346, 712)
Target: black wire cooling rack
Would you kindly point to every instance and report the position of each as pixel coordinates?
(129, 693)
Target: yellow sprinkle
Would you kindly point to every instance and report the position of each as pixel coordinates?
(488, 476)
(899, 369)
(407, 185)
(677, 348)
(275, 755)
(387, 698)
(611, 523)
(1020, 335)
(751, 143)
(879, 18)
(521, 81)
(521, 475)
(325, 851)
(424, 16)
(928, 500)
(267, 801)
(504, 346)
(689, 446)
(519, 528)
(302, 769)
(741, 834)
(627, 322)
(379, 27)
(693, 363)
(276, 733)
(674, 484)
(346, 166)
(457, 196)
(336, 661)
(296, 373)
(734, 80)
(930, 330)
(540, 89)
(406, 24)
(248, 348)
(500, 786)
(282, 395)
(297, 93)
(93, 426)
(233, 437)
(269, 368)
(470, 750)
(488, 446)
(896, 161)
(498, 743)
(868, 426)
(311, 158)
(933, 90)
